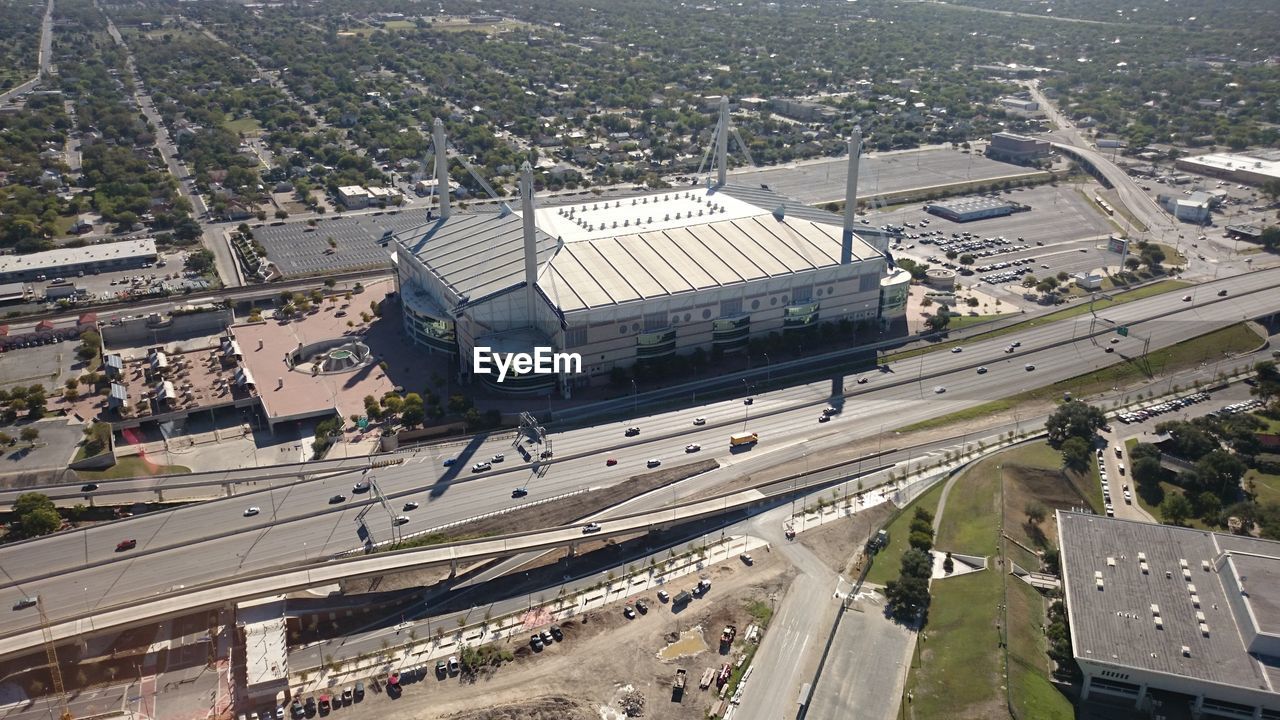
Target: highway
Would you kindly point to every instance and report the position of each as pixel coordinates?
(79, 571)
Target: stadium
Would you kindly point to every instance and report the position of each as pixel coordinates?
(629, 280)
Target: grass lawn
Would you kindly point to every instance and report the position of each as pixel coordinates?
(886, 563)
(1030, 691)
(964, 321)
(1266, 488)
(245, 125)
(132, 466)
(399, 25)
(1146, 291)
(1171, 255)
(961, 672)
(1188, 353)
(1270, 425)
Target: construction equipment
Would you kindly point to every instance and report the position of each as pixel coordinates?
(51, 652)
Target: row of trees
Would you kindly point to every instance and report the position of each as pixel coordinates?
(908, 596)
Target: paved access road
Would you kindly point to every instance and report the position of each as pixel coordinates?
(79, 571)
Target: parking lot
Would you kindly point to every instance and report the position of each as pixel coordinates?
(824, 181)
(1062, 232)
(300, 249)
(165, 275)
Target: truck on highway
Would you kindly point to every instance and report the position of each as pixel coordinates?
(745, 439)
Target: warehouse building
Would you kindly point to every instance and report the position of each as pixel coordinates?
(623, 281)
(69, 262)
(1193, 208)
(1245, 169)
(970, 209)
(1173, 620)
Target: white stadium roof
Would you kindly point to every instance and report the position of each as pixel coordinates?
(661, 246)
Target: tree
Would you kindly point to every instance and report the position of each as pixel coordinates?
(1075, 454)
(1175, 509)
(1268, 379)
(29, 435)
(948, 565)
(1073, 419)
(938, 321)
(1152, 256)
(1220, 472)
(966, 259)
(282, 214)
(1036, 512)
(908, 596)
(97, 439)
(916, 563)
(200, 261)
(413, 413)
(36, 514)
(920, 541)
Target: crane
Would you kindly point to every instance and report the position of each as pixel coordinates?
(51, 651)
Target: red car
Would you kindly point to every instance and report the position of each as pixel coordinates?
(610, 462)
(126, 545)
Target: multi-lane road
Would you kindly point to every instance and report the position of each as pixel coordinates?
(80, 571)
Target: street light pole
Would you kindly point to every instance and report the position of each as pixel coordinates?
(635, 398)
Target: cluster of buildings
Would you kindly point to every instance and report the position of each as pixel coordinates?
(636, 279)
(354, 197)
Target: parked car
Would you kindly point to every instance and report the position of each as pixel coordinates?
(628, 612)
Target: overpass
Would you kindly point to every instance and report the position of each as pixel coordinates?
(186, 600)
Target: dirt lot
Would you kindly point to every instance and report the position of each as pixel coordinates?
(836, 542)
(1054, 489)
(603, 656)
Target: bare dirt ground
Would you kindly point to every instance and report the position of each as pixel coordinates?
(544, 515)
(602, 657)
(836, 542)
(1054, 489)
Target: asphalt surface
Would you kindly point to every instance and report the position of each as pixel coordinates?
(866, 665)
(878, 173)
(79, 571)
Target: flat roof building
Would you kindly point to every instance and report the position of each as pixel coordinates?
(67, 262)
(1238, 168)
(1175, 614)
(1011, 147)
(353, 197)
(969, 209)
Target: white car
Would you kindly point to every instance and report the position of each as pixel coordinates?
(251, 511)
(939, 390)
(957, 349)
(699, 421)
(480, 467)
(692, 447)
(498, 458)
(401, 519)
